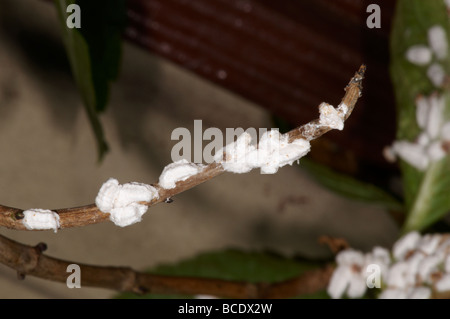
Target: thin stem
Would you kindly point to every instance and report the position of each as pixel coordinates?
(420, 211)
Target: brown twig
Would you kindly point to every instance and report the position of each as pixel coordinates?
(90, 214)
(29, 260)
(335, 244)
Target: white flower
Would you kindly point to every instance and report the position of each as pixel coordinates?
(429, 145)
(419, 54)
(346, 280)
(436, 105)
(380, 257)
(429, 243)
(436, 74)
(444, 248)
(437, 38)
(405, 244)
(447, 264)
(350, 257)
(393, 294)
(413, 154)
(420, 293)
(443, 284)
(339, 282)
(427, 266)
(447, 3)
(421, 264)
(348, 277)
(422, 55)
(399, 275)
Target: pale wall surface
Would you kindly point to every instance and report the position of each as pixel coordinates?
(48, 160)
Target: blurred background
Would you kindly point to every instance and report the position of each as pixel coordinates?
(235, 63)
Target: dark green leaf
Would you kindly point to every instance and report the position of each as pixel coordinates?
(343, 184)
(425, 197)
(103, 23)
(94, 54)
(350, 187)
(433, 199)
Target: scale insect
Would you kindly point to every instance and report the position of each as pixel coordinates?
(40, 219)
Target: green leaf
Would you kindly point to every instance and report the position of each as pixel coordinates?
(433, 199)
(103, 22)
(94, 53)
(424, 192)
(350, 187)
(234, 265)
(343, 184)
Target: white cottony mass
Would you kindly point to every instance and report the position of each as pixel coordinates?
(178, 171)
(273, 151)
(127, 203)
(40, 219)
(329, 116)
(124, 203)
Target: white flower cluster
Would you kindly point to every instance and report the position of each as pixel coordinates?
(432, 143)
(418, 264)
(422, 55)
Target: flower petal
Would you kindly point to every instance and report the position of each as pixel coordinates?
(422, 111)
(413, 154)
(436, 152)
(357, 286)
(444, 283)
(419, 55)
(437, 38)
(436, 74)
(445, 132)
(435, 116)
(350, 257)
(393, 294)
(405, 244)
(420, 293)
(339, 282)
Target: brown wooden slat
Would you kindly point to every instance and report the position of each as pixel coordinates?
(287, 56)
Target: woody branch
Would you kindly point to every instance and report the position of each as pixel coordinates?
(27, 260)
(85, 215)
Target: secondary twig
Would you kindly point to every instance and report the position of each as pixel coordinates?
(90, 214)
(28, 260)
